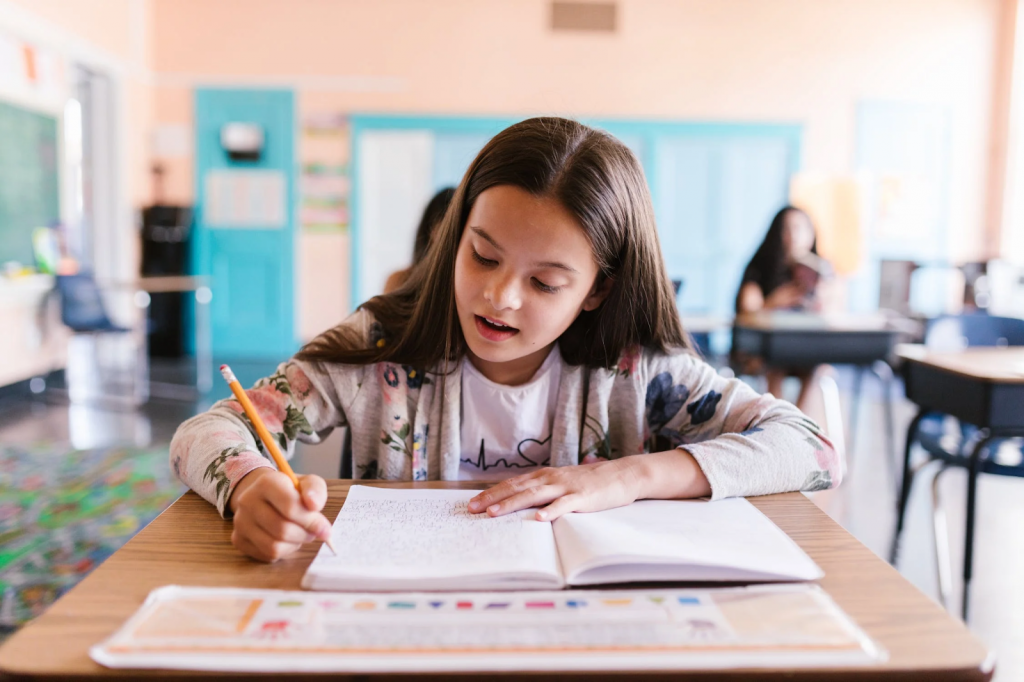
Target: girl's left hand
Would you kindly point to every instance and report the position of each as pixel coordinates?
(580, 488)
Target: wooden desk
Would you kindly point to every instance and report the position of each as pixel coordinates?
(190, 545)
(979, 386)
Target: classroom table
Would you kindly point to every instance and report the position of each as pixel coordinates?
(979, 386)
(199, 287)
(788, 339)
(189, 544)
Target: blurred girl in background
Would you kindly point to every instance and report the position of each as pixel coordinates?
(431, 218)
(785, 274)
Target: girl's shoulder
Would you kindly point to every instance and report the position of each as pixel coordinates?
(361, 323)
(359, 330)
(641, 364)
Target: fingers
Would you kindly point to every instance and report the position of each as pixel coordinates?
(278, 527)
(534, 496)
(506, 489)
(272, 520)
(279, 492)
(314, 492)
(562, 506)
(252, 540)
(584, 487)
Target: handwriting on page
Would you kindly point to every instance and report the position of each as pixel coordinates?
(421, 532)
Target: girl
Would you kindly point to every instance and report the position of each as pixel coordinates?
(784, 274)
(540, 344)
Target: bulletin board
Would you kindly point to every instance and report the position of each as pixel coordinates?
(29, 181)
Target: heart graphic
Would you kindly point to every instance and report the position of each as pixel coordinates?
(519, 450)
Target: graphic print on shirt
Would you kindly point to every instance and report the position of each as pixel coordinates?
(520, 461)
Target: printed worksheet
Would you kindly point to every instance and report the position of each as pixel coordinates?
(226, 629)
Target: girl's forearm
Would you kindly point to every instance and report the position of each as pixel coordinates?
(673, 474)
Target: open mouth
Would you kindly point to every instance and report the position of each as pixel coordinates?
(493, 330)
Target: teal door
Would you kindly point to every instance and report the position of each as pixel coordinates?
(245, 222)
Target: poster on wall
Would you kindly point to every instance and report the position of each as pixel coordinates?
(326, 149)
(246, 199)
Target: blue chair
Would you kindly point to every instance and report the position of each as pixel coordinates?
(81, 305)
(82, 311)
(953, 447)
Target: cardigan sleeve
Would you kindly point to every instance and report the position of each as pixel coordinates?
(746, 443)
(213, 451)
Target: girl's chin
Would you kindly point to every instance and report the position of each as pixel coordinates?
(502, 353)
(493, 353)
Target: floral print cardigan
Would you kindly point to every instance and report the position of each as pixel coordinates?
(405, 423)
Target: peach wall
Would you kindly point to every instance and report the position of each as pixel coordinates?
(105, 24)
(808, 61)
(113, 37)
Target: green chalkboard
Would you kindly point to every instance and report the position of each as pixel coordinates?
(29, 182)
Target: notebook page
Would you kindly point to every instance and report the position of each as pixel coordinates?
(389, 538)
(724, 540)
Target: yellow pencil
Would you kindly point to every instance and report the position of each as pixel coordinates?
(265, 436)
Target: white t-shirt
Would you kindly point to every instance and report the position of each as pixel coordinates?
(506, 430)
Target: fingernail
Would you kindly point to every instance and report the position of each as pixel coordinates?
(541, 515)
(493, 508)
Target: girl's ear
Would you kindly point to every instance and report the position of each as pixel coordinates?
(598, 294)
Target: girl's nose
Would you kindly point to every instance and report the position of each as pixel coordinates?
(502, 292)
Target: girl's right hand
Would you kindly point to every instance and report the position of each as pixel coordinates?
(271, 519)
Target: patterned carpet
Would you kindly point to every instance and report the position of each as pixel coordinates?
(63, 512)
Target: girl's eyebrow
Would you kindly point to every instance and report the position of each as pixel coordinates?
(556, 264)
(543, 264)
(490, 240)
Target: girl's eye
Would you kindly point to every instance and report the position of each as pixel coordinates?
(481, 260)
(544, 287)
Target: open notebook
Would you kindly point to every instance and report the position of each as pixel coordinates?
(390, 540)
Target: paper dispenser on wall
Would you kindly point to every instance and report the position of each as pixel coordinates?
(242, 141)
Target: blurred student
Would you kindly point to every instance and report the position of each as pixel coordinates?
(430, 219)
(785, 274)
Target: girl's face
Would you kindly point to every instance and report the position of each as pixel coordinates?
(797, 234)
(523, 272)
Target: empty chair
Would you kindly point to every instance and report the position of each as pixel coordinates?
(951, 443)
(81, 305)
(83, 311)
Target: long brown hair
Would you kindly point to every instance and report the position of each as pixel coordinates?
(769, 267)
(600, 182)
